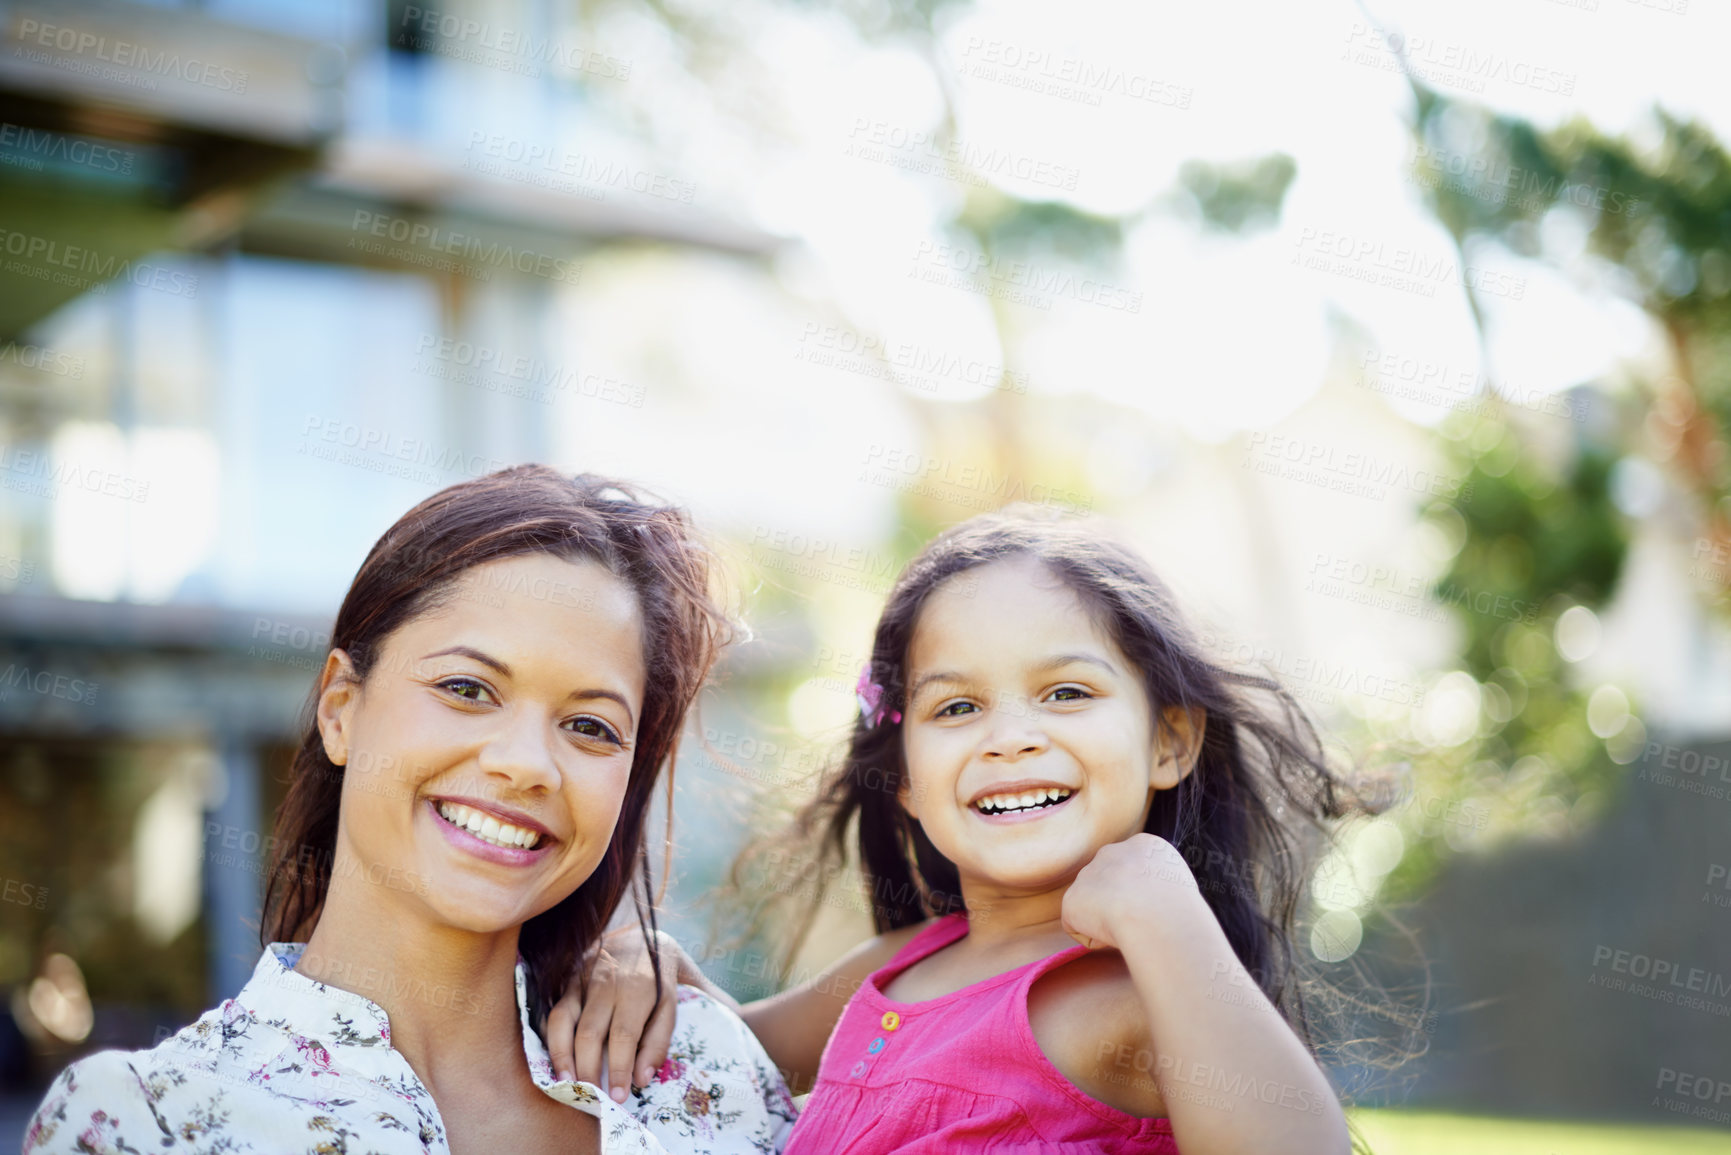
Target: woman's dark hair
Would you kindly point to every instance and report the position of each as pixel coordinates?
(412, 570)
(1238, 818)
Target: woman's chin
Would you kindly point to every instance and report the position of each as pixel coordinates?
(480, 917)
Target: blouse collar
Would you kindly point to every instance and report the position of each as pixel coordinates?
(359, 1030)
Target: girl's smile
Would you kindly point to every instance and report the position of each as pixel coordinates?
(1021, 801)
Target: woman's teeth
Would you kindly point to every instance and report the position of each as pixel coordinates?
(487, 828)
(1027, 799)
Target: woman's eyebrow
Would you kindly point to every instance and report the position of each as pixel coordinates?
(495, 663)
(471, 652)
(585, 695)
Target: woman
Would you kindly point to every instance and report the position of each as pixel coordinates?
(510, 672)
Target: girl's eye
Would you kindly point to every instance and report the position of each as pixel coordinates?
(466, 688)
(594, 728)
(953, 710)
(1077, 694)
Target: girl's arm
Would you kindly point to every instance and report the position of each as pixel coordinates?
(623, 1018)
(1234, 1076)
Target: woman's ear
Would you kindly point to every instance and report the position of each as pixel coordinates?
(1177, 745)
(339, 691)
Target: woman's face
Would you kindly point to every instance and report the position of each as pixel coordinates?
(487, 753)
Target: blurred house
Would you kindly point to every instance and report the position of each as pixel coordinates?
(226, 229)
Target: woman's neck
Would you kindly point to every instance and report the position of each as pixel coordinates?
(450, 994)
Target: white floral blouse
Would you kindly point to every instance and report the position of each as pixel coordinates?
(291, 1064)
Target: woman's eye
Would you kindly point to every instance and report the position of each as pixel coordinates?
(954, 709)
(1076, 694)
(594, 728)
(467, 688)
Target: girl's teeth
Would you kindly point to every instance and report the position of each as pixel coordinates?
(487, 828)
(1002, 803)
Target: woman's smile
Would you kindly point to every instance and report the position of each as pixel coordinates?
(489, 836)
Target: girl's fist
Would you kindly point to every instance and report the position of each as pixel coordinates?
(1141, 881)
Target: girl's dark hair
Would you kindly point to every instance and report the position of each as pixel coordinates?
(1238, 818)
(412, 570)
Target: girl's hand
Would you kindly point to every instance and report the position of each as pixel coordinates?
(622, 1012)
(1142, 879)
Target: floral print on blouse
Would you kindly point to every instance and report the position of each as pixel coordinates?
(294, 1065)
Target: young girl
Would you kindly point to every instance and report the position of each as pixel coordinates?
(1042, 735)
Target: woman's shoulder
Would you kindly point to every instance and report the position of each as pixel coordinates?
(707, 1031)
(102, 1101)
(200, 1080)
(717, 1088)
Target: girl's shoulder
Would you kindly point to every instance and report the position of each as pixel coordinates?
(1086, 1002)
(878, 952)
(893, 942)
(1090, 1024)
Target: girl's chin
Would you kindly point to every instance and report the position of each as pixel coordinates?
(1025, 877)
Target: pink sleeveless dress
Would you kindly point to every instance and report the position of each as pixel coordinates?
(961, 1072)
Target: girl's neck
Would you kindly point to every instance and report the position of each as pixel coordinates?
(998, 917)
(450, 994)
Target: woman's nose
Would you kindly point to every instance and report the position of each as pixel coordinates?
(520, 752)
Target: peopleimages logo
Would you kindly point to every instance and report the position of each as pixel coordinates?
(432, 242)
(47, 259)
(495, 45)
(125, 54)
(46, 683)
(33, 145)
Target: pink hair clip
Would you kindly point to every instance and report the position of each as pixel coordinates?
(871, 696)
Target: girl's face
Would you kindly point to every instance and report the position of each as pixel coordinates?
(1028, 737)
(488, 751)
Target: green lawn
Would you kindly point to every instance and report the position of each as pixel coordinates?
(1418, 1133)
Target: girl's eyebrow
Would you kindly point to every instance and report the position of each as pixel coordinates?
(1054, 662)
(926, 679)
(504, 670)
(1057, 660)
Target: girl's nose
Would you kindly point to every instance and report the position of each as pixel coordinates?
(1014, 732)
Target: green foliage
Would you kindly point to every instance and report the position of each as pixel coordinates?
(1538, 529)
(1239, 197)
(1009, 225)
(1531, 539)
(1659, 213)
